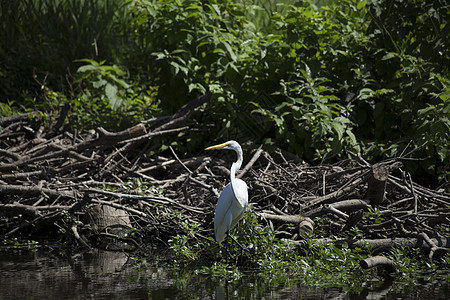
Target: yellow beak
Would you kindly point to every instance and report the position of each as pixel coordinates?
(220, 146)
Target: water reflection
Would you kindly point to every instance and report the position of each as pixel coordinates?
(110, 275)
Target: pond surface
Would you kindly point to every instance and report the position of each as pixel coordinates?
(26, 274)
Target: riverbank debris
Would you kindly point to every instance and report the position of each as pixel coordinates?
(47, 182)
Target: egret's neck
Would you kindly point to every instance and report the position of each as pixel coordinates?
(236, 165)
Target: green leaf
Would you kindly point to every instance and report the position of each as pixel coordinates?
(176, 67)
(230, 51)
(111, 93)
(86, 68)
(197, 87)
(159, 55)
(425, 111)
(361, 5)
(99, 83)
(352, 137)
(388, 56)
(338, 128)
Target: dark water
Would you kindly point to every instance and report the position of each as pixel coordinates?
(25, 274)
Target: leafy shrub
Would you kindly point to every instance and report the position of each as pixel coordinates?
(373, 80)
(40, 41)
(108, 100)
(104, 82)
(314, 77)
(193, 47)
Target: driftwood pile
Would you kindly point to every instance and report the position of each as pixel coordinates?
(85, 183)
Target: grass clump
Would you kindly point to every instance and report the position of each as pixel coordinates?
(315, 265)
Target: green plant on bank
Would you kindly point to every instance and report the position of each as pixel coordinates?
(186, 246)
(412, 267)
(139, 264)
(316, 265)
(267, 256)
(64, 226)
(373, 216)
(16, 243)
(135, 185)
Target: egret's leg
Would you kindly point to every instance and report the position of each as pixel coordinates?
(239, 244)
(226, 249)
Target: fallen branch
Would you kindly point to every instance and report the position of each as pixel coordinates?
(32, 191)
(282, 218)
(161, 200)
(376, 261)
(377, 245)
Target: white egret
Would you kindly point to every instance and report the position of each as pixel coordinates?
(234, 198)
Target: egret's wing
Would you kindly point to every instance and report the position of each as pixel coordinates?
(221, 224)
(239, 205)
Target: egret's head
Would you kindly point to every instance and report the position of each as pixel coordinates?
(231, 145)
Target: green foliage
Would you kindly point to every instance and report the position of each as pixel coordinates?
(270, 257)
(195, 47)
(310, 116)
(220, 270)
(138, 187)
(433, 126)
(316, 265)
(42, 39)
(99, 103)
(411, 267)
(314, 77)
(139, 264)
(16, 243)
(5, 109)
(185, 246)
(106, 92)
(104, 82)
(373, 216)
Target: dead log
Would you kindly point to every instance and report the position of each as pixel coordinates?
(5, 121)
(353, 220)
(31, 191)
(379, 245)
(378, 176)
(56, 213)
(102, 216)
(17, 209)
(306, 227)
(23, 175)
(110, 226)
(10, 154)
(334, 209)
(184, 112)
(345, 189)
(351, 205)
(376, 261)
(283, 218)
